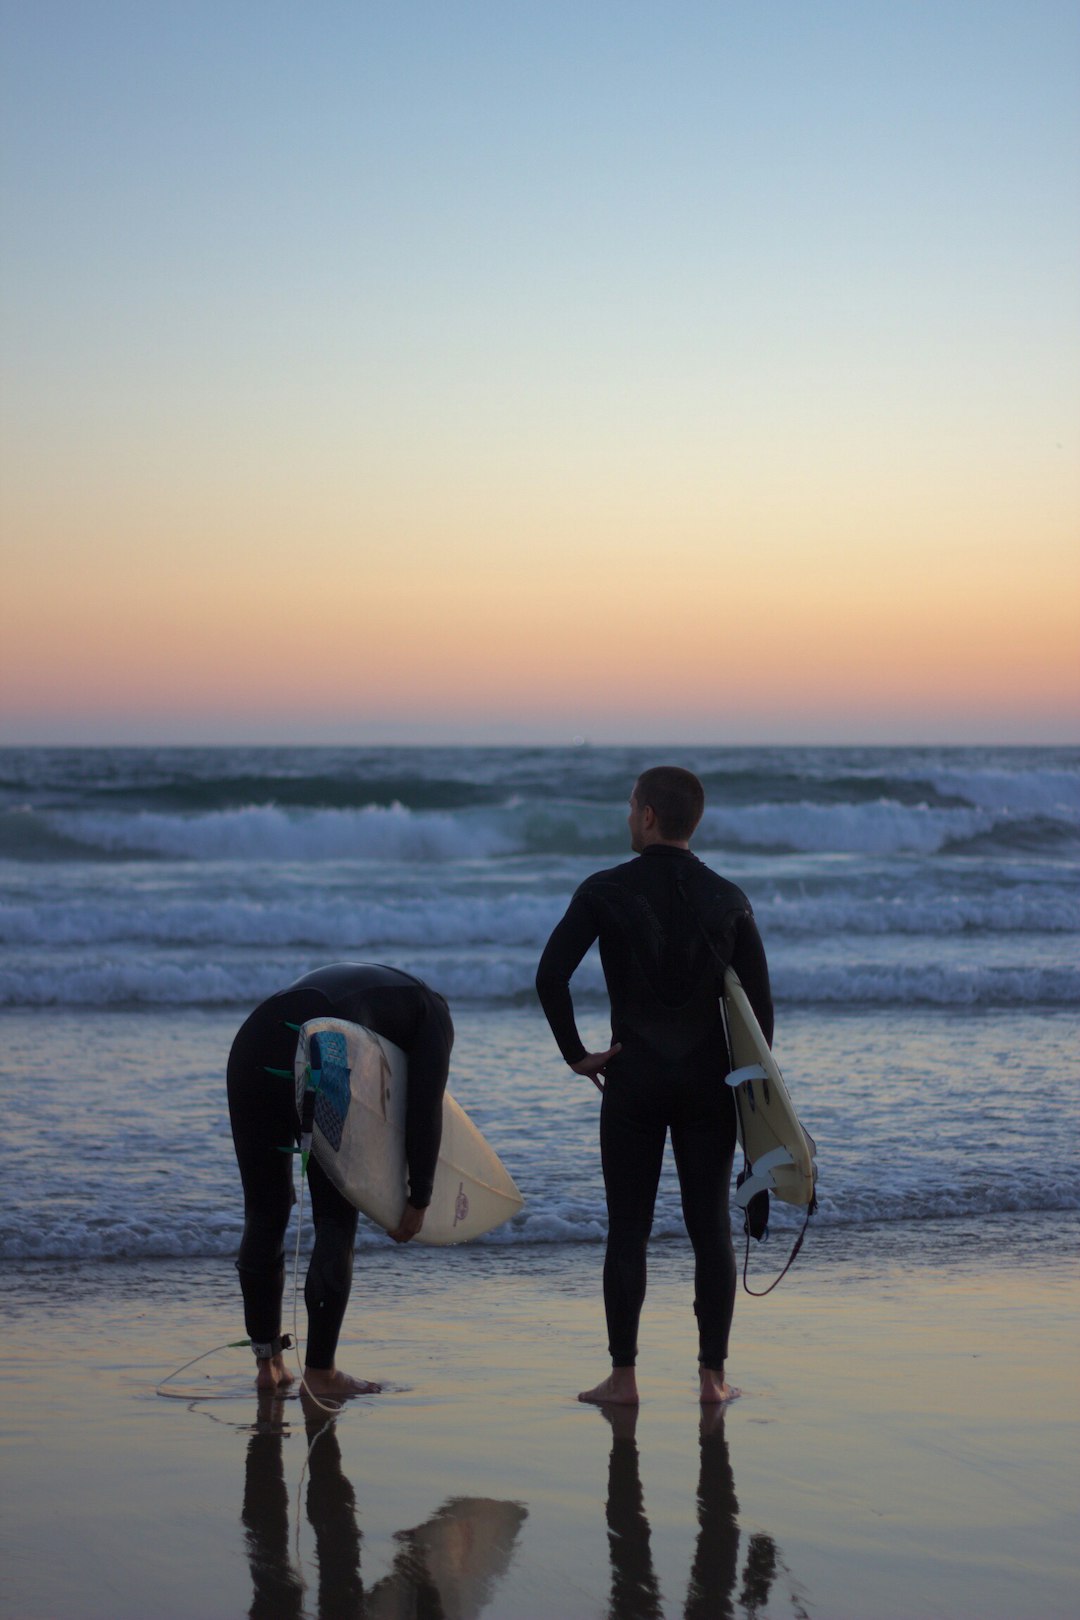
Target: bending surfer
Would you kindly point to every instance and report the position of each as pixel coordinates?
(262, 1112)
(668, 926)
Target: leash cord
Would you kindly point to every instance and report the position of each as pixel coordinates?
(759, 1293)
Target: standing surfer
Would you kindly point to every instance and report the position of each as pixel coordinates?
(262, 1111)
(667, 926)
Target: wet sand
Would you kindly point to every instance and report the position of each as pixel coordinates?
(904, 1447)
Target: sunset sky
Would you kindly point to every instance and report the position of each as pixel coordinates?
(524, 370)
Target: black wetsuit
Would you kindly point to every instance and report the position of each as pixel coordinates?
(262, 1111)
(667, 927)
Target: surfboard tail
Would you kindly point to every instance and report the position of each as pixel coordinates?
(779, 1173)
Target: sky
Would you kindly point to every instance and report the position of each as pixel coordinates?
(524, 371)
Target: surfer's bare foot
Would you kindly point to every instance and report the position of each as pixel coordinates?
(715, 1390)
(271, 1374)
(327, 1382)
(620, 1389)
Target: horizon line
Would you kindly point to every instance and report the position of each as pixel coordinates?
(574, 744)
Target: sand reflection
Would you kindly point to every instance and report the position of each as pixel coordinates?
(447, 1568)
(714, 1574)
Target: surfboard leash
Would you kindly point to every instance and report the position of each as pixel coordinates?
(759, 1293)
(181, 1395)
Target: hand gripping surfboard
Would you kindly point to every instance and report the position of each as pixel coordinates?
(358, 1136)
(779, 1151)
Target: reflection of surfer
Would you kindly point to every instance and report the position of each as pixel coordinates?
(263, 1116)
(277, 1590)
(447, 1568)
(635, 1591)
(712, 1575)
(277, 1586)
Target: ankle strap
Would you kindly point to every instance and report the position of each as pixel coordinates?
(266, 1350)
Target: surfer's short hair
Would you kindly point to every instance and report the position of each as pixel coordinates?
(676, 796)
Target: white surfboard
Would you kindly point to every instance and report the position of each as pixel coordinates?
(780, 1152)
(359, 1138)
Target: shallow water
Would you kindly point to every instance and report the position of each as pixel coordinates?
(920, 909)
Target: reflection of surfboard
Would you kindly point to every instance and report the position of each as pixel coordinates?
(458, 1558)
(780, 1152)
(359, 1137)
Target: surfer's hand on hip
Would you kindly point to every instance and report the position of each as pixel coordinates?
(411, 1221)
(593, 1064)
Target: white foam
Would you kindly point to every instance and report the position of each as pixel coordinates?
(1033, 791)
(880, 828)
(115, 979)
(932, 984)
(322, 918)
(119, 1233)
(395, 833)
(267, 833)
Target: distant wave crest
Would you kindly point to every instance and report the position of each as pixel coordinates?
(126, 980)
(276, 834)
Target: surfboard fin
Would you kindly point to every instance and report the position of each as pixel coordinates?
(761, 1178)
(749, 1071)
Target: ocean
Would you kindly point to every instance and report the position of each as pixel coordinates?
(919, 906)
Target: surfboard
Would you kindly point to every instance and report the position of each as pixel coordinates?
(358, 1137)
(780, 1152)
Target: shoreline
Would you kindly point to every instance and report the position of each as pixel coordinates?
(903, 1447)
(966, 1241)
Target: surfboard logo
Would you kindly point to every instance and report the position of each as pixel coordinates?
(461, 1204)
(334, 1094)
